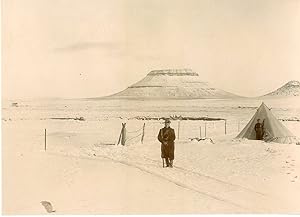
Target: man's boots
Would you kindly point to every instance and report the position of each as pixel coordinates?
(167, 162)
(171, 163)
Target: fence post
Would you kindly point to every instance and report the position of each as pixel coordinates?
(119, 140)
(123, 139)
(45, 139)
(178, 129)
(142, 139)
(225, 126)
(200, 132)
(205, 129)
(239, 126)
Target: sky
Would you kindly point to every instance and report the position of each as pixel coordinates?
(91, 48)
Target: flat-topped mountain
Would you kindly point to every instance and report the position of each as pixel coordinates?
(173, 83)
(290, 89)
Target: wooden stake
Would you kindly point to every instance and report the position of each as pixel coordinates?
(200, 132)
(142, 139)
(120, 135)
(205, 129)
(225, 126)
(45, 139)
(178, 129)
(123, 139)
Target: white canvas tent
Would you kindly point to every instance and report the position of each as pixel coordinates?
(275, 130)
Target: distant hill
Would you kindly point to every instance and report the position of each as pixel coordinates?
(174, 84)
(290, 89)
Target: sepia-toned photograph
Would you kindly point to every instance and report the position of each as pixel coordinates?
(150, 107)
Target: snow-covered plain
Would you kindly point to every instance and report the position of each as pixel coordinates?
(83, 172)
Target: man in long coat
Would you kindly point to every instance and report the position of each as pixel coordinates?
(167, 136)
(259, 129)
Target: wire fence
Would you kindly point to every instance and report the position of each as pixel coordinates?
(137, 131)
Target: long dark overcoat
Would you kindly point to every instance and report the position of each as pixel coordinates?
(259, 131)
(167, 136)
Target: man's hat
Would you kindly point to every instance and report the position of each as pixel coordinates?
(167, 120)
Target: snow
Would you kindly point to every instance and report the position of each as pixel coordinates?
(291, 89)
(83, 172)
(173, 83)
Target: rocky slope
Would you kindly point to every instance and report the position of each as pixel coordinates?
(173, 83)
(290, 89)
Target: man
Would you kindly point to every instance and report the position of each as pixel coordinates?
(167, 136)
(259, 129)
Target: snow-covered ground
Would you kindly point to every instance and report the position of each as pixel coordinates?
(83, 172)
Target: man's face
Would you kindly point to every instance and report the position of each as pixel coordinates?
(167, 125)
(258, 120)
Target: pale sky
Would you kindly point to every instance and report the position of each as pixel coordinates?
(90, 48)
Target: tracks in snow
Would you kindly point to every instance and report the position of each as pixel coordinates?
(210, 177)
(238, 196)
(242, 198)
(176, 182)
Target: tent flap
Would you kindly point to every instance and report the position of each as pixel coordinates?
(274, 129)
